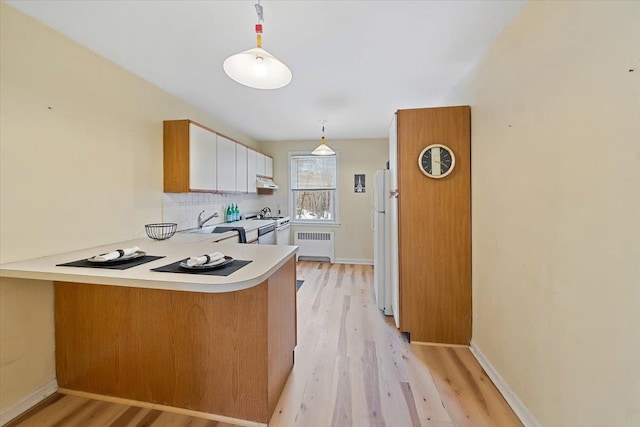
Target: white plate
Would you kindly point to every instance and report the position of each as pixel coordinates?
(118, 260)
(212, 265)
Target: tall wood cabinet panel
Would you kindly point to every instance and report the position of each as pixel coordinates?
(434, 227)
(189, 157)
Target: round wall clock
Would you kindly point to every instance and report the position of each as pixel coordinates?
(436, 161)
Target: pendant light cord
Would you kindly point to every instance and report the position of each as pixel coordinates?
(260, 14)
(322, 139)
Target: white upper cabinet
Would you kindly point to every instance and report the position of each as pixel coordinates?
(198, 159)
(251, 170)
(202, 158)
(261, 164)
(241, 168)
(226, 161)
(268, 170)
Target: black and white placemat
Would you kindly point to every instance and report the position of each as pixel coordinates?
(119, 266)
(232, 267)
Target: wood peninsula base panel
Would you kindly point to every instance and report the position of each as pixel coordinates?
(222, 353)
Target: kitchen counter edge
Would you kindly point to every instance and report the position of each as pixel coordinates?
(266, 259)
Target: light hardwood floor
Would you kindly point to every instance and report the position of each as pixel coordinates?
(352, 368)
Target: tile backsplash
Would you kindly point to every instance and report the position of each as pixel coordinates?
(183, 208)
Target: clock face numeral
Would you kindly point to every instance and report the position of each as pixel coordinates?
(436, 161)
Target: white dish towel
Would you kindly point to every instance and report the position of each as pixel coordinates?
(205, 259)
(118, 253)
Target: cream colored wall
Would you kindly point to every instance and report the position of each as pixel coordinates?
(556, 210)
(354, 236)
(81, 165)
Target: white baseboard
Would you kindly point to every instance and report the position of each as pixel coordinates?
(28, 402)
(354, 261)
(512, 399)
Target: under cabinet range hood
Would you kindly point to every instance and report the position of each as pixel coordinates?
(264, 182)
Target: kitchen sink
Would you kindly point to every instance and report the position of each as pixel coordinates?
(211, 229)
(207, 229)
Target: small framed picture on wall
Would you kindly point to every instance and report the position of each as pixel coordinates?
(359, 183)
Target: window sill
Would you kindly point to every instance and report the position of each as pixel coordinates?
(315, 223)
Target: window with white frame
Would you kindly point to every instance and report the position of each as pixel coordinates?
(314, 192)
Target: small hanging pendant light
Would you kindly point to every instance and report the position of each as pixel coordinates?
(323, 149)
(256, 67)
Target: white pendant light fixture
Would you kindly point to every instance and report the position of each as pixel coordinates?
(256, 67)
(323, 149)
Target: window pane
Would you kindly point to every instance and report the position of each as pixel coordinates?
(313, 172)
(314, 204)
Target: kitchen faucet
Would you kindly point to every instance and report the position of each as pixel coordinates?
(201, 221)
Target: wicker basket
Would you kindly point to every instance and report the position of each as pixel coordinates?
(161, 231)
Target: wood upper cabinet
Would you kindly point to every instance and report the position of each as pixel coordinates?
(252, 158)
(434, 227)
(226, 168)
(189, 157)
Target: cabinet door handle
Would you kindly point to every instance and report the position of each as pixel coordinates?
(394, 194)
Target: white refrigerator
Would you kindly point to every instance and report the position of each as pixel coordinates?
(381, 247)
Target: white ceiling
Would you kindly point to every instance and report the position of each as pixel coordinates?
(353, 62)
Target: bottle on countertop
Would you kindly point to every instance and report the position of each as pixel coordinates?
(237, 213)
(228, 215)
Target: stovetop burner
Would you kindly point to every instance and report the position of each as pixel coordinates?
(278, 219)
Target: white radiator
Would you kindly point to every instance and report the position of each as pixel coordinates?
(315, 244)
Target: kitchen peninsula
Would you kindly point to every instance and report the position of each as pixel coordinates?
(221, 345)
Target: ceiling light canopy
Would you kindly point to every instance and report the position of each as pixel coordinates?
(323, 149)
(256, 67)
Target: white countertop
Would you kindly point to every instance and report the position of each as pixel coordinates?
(266, 260)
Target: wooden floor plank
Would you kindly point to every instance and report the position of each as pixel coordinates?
(468, 394)
(51, 400)
(411, 404)
(352, 368)
(53, 414)
(126, 417)
(372, 385)
(342, 399)
(102, 414)
(429, 404)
